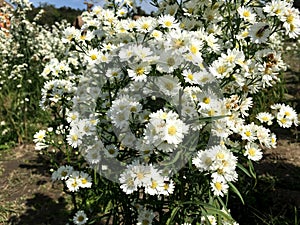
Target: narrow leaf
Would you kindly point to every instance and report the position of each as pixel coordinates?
(235, 190)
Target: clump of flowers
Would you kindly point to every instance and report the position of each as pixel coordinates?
(25, 50)
(159, 113)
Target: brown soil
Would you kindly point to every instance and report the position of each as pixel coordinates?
(27, 194)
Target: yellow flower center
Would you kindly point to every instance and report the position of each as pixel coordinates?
(111, 151)
(80, 218)
(246, 13)
(221, 69)
(166, 186)
(74, 137)
(283, 121)
(169, 86)
(179, 43)
(83, 180)
(172, 130)
(74, 184)
(193, 49)
(168, 23)
(220, 155)
(218, 186)
(208, 161)
(145, 26)
(140, 175)
(252, 151)
(206, 100)
(248, 133)
(145, 222)
(290, 19)
(190, 76)
(64, 173)
(140, 71)
(171, 61)
(211, 112)
(93, 56)
(154, 184)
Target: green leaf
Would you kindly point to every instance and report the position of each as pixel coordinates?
(235, 190)
(251, 168)
(241, 167)
(209, 208)
(173, 214)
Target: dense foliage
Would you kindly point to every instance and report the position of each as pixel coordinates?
(52, 15)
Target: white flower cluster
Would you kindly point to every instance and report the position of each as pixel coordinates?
(137, 175)
(157, 85)
(286, 116)
(55, 91)
(74, 180)
(221, 163)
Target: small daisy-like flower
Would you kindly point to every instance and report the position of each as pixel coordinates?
(145, 24)
(209, 218)
(62, 173)
(111, 151)
(122, 12)
(219, 186)
(74, 137)
(248, 132)
(265, 117)
(127, 182)
(189, 76)
(247, 14)
(156, 183)
(167, 21)
(72, 116)
(93, 56)
(286, 116)
(203, 160)
(139, 72)
(174, 131)
(69, 33)
(273, 140)
(259, 32)
(156, 34)
(253, 152)
(73, 182)
(145, 217)
(168, 187)
(85, 180)
(39, 136)
(80, 218)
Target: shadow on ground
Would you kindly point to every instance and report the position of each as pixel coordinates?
(27, 194)
(42, 210)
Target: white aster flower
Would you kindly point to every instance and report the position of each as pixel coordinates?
(219, 186)
(265, 117)
(80, 218)
(253, 152)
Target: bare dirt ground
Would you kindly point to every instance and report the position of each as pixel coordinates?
(27, 195)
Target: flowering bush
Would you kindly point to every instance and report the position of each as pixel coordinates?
(155, 117)
(25, 49)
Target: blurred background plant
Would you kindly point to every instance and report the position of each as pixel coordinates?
(25, 49)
